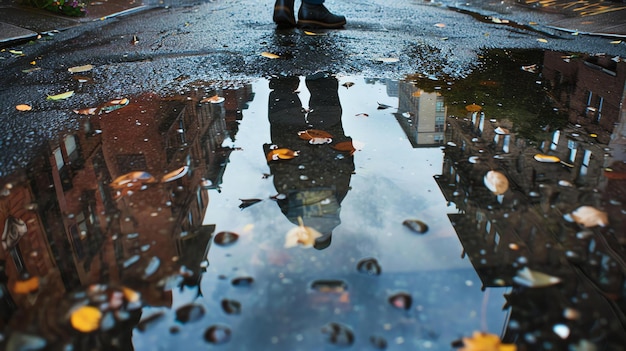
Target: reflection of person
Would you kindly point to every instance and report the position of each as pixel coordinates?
(314, 183)
(312, 14)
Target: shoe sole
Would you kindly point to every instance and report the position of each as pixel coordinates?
(283, 17)
(316, 24)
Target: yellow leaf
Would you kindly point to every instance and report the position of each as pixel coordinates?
(77, 69)
(269, 55)
(302, 235)
(616, 42)
(86, 319)
(62, 96)
(281, 154)
(485, 342)
(496, 182)
(541, 40)
(313, 33)
(175, 174)
(26, 286)
(16, 52)
(546, 158)
(23, 107)
(130, 294)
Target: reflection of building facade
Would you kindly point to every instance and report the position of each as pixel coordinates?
(421, 115)
(82, 232)
(524, 227)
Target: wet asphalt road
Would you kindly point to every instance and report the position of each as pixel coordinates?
(169, 48)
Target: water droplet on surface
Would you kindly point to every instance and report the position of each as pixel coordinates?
(189, 313)
(231, 306)
(225, 238)
(369, 266)
(338, 334)
(416, 225)
(242, 281)
(401, 300)
(561, 330)
(217, 334)
(378, 342)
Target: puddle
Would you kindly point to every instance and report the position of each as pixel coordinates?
(305, 213)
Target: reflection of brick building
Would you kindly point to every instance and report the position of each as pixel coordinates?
(524, 227)
(591, 88)
(421, 115)
(81, 232)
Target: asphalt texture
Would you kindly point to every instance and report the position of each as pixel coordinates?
(166, 47)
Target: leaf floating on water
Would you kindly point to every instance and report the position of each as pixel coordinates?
(61, 96)
(87, 111)
(481, 341)
(215, 99)
(225, 238)
(383, 106)
(231, 306)
(86, 319)
(175, 174)
(345, 146)
(26, 286)
(473, 108)
(131, 179)
(416, 225)
(502, 131)
(23, 107)
(189, 313)
(496, 182)
(301, 235)
(269, 55)
(314, 133)
(362, 115)
(473, 159)
(387, 59)
(546, 158)
(534, 279)
(589, 216)
(113, 105)
(78, 69)
(530, 68)
(281, 154)
(248, 202)
(347, 84)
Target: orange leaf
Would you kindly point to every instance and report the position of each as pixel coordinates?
(26, 286)
(485, 342)
(281, 154)
(344, 146)
(86, 319)
(473, 108)
(23, 107)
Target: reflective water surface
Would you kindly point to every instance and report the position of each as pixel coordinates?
(329, 211)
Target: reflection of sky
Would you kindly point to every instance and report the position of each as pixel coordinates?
(392, 182)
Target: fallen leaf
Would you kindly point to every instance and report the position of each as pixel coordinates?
(113, 105)
(77, 69)
(248, 202)
(313, 133)
(16, 52)
(26, 286)
(347, 84)
(530, 68)
(130, 295)
(86, 319)
(313, 33)
(616, 42)
(135, 41)
(416, 225)
(546, 158)
(61, 96)
(215, 99)
(589, 216)
(541, 40)
(30, 70)
(362, 115)
(281, 154)
(23, 107)
(87, 111)
(387, 59)
(301, 235)
(440, 25)
(496, 182)
(473, 108)
(383, 106)
(534, 279)
(132, 179)
(175, 174)
(269, 55)
(345, 146)
(481, 341)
